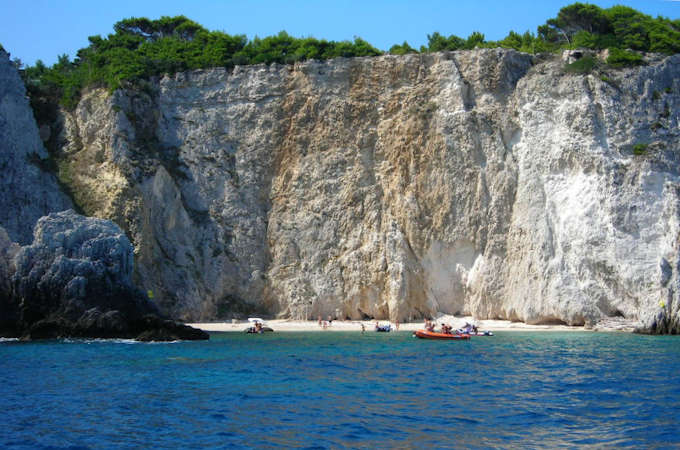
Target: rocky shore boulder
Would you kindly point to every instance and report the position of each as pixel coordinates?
(75, 280)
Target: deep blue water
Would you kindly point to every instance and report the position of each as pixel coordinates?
(329, 390)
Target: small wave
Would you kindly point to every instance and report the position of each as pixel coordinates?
(98, 341)
(112, 341)
(3, 339)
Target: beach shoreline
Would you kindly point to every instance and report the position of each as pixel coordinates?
(286, 325)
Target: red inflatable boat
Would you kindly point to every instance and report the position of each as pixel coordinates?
(424, 334)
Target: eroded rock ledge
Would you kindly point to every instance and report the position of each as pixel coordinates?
(74, 280)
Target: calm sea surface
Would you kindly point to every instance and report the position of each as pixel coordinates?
(329, 390)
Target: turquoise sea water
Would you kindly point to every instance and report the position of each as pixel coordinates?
(330, 390)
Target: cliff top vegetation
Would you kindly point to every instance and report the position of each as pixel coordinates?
(141, 48)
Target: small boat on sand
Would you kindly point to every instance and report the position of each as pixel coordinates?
(424, 334)
(383, 328)
(257, 326)
(473, 331)
(481, 333)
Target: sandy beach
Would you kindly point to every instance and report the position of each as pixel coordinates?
(355, 325)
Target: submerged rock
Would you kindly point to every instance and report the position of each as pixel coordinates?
(75, 280)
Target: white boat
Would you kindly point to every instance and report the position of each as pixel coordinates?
(257, 326)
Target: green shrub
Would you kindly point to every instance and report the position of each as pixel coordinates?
(640, 149)
(402, 49)
(140, 48)
(623, 58)
(584, 39)
(584, 65)
(590, 26)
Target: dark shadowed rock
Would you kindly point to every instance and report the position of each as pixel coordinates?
(8, 310)
(75, 280)
(157, 329)
(27, 190)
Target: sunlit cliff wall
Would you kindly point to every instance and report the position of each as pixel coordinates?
(483, 182)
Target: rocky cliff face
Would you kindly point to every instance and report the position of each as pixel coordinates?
(486, 182)
(75, 278)
(28, 190)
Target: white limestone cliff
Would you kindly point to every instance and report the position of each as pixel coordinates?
(484, 182)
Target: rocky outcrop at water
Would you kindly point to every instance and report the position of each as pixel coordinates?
(486, 182)
(74, 280)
